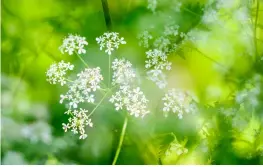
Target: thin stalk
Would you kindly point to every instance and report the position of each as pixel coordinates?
(109, 69)
(98, 103)
(106, 13)
(121, 140)
(107, 18)
(82, 60)
(69, 80)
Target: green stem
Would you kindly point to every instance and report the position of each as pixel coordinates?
(121, 140)
(69, 80)
(98, 103)
(109, 69)
(82, 60)
(106, 13)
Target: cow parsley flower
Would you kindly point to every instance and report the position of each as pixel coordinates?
(162, 43)
(171, 30)
(178, 102)
(57, 72)
(157, 62)
(122, 72)
(158, 77)
(110, 41)
(131, 99)
(144, 38)
(82, 88)
(77, 122)
(73, 43)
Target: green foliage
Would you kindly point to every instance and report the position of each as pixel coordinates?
(218, 57)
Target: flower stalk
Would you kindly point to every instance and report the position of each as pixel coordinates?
(121, 140)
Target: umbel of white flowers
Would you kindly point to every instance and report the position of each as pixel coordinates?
(57, 72)
(110, 41)
(82, 89)
(178, 102)
(129, 95)
(73, 43)
(157, 62)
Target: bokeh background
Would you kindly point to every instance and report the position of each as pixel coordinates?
(216, 65)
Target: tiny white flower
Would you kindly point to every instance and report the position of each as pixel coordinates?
(123, 72)
(57, 72)
(178, 102)
(77, 122)
(73, 43)
(111, 41)
(144, 38)
(131, 99)
(82, 88)
(156, 62)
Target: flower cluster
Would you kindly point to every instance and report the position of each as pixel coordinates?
(57, 72)
(77, 122)
(131, 99)
(144, 38)
(156, 62)
(122, 72)
(178, 102)
(162, 43)
(73, 43)
(82, 88)
(111, 41)
(171, 30)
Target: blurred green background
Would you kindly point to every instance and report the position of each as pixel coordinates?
(215, 66)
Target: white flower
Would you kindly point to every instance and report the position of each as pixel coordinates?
(73, 43)
(77, 122)
(144, 38)
(162, 43)
(57, 72)
(157, 62)
(158, 77)
(82, 88)
(131, 99)
(178, 102)
(122, 72)
(111, 41)
(171, 30)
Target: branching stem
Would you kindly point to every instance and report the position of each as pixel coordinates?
(99, 103)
